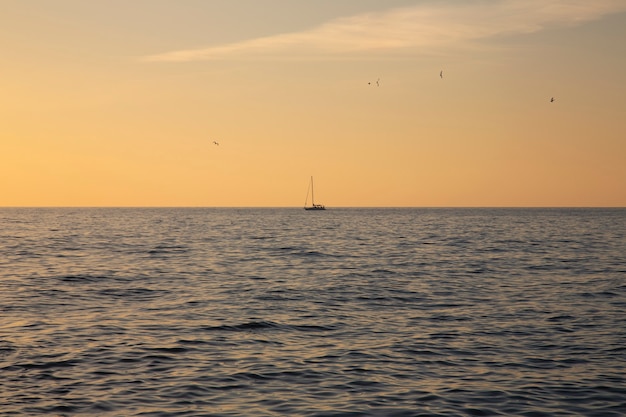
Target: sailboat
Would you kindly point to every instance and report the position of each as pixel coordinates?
(313, 206)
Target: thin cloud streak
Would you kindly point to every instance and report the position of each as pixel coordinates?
(419, 28)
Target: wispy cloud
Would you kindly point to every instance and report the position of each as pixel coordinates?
(421, 27)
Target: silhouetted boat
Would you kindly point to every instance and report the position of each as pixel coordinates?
(313, 206)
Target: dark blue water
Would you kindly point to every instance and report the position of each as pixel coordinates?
(283, 312)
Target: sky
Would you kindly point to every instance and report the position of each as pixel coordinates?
(386, 103)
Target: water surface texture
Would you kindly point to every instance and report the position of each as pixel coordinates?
(283, 312)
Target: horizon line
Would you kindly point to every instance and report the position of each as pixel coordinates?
(300, 207)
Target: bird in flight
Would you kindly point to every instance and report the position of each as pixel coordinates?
(377, 83)
(441, 74)
(552, 99)
(215, 143)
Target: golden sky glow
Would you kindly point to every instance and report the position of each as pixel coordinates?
(117, 103)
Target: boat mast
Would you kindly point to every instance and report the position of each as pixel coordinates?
(312, 195)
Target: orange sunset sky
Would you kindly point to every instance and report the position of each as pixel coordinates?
(118, 102)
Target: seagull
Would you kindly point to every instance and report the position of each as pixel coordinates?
(215, 143)
(441, 74)
(377, 84)
(552, 99)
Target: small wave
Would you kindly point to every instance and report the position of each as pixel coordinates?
(175, 349)
(444, 335)
(306, 253)
(383, 272)
(560, 318)
(48, 365)
(81, 279)
(249, 326)
(267, 325)
(6, 348)
(137, 293)
(297, 376)
(193, 342)
(168, 250)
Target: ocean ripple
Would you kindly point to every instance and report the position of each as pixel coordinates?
(350, 312)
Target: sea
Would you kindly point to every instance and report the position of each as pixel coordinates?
(284, 312)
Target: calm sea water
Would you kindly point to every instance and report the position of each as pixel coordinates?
(283, 312)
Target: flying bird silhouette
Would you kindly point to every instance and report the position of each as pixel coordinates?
(552, 99)
(377, 84)
(215, 143)
(441, 74)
